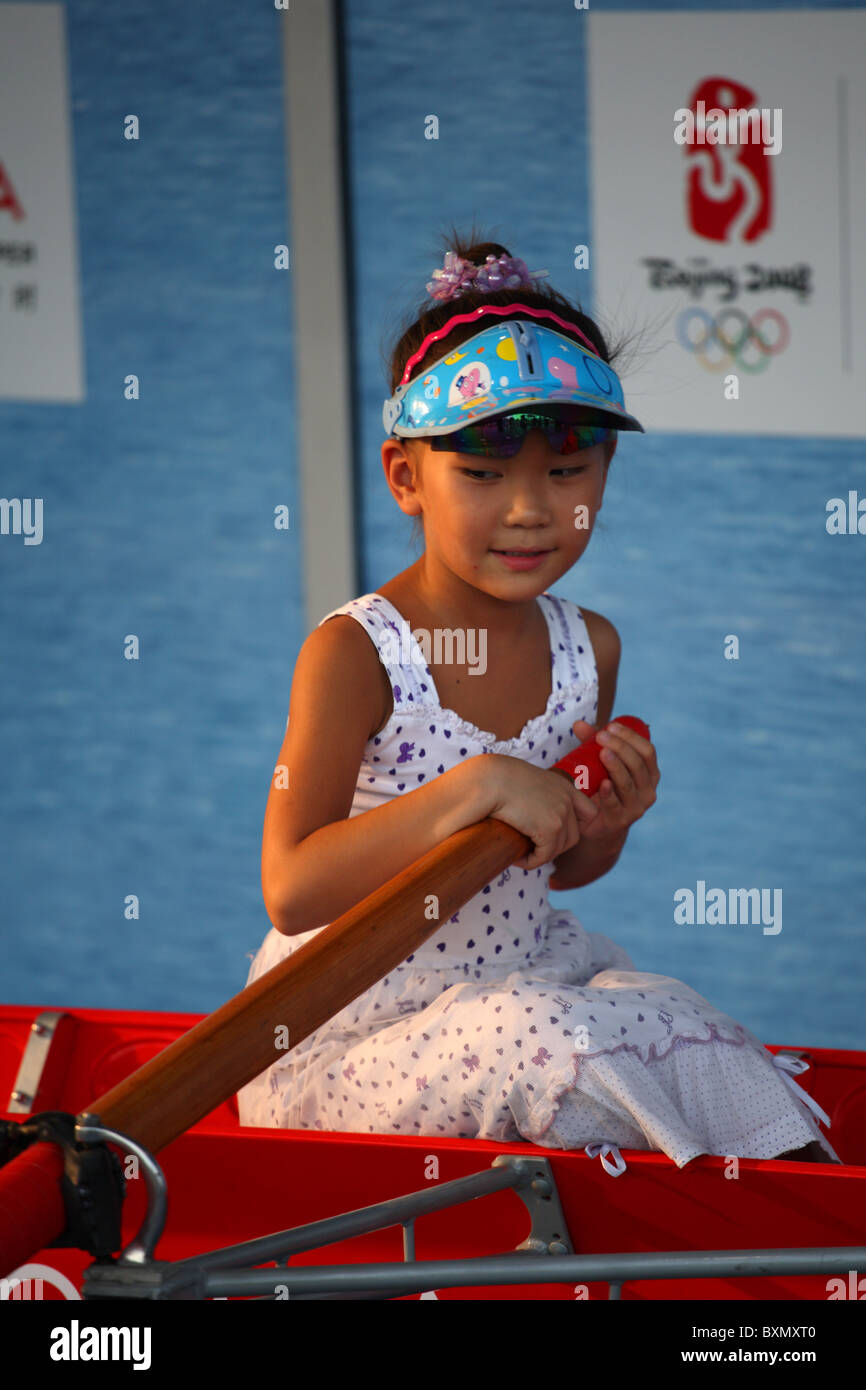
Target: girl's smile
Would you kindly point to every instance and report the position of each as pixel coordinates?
(530, 560)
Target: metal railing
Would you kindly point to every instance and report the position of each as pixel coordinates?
(546, 1256)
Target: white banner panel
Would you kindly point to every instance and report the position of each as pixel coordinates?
(40, 330)
(738, 239)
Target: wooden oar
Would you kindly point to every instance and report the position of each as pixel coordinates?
(227, 1049)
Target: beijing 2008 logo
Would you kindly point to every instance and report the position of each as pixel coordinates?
(729, 197)
(729, 188)
(732, 333)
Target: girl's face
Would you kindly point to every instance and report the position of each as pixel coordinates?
(474, 506)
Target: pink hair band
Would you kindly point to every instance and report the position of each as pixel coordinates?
(501, 309)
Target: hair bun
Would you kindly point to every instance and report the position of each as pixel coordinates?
(479, 252)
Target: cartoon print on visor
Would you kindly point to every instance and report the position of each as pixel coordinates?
(470, 382)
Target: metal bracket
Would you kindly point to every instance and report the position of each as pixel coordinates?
(89, 1130)
(26, 1088)
(157, 1280)
(549, 1234)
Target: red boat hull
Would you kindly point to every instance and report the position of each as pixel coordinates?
(228, 1184)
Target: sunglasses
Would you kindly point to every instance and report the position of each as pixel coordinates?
(502, 436)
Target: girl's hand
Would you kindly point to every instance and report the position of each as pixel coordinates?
(630, 789)
(549, 810)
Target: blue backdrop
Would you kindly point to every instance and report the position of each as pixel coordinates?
(150, 777)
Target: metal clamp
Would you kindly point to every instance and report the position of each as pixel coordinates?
(549, 1234)
(90, 1130)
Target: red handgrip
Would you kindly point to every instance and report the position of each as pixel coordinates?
(587, 756)
(32, 1212)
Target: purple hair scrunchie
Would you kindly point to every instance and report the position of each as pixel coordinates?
(497, 273)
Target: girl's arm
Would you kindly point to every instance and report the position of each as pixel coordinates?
(316, 861)
(585, 862)
(591, 859)
(625, 794)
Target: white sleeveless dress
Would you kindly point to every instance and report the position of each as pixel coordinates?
(512, 1021)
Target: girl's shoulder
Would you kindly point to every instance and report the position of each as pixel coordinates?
(342, 653)
(603, 635)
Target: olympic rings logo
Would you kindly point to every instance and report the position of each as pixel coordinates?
(733, 349)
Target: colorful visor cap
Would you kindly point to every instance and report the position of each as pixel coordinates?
(511, 364)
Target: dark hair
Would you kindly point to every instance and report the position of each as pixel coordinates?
(434, 314)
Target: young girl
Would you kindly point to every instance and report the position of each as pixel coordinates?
(511, 1020)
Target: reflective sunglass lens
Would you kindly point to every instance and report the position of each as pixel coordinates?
(502, 436)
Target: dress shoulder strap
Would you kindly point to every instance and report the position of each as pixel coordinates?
(361, 609)
(574, 658)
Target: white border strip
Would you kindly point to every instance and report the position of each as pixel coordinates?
(321, 312)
